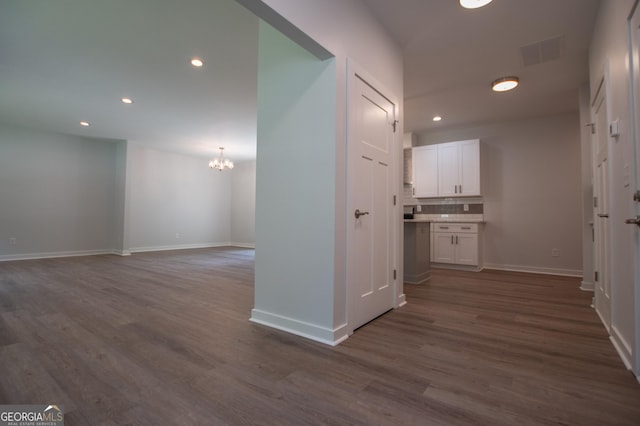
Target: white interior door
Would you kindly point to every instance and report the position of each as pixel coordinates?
(602, 245)
(370, 229)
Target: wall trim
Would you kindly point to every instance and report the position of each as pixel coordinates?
(606, 327)
(54, 254)
(417, 279)
(535, 270)
(622, 347)
(401, 301)
(243, 245)
(300, 328)
(79, 253)
(455, 267)
(177, 247)
(587, 286)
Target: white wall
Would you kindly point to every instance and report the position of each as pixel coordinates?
(348, 30)
(531, 185)
(295, 199)
(243, 204)
(67, 195)
(609, 53)
(57, 194)
(175, 194)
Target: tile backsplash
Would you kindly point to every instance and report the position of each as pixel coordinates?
(447, 208)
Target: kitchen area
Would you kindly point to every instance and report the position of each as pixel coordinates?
(443, 207)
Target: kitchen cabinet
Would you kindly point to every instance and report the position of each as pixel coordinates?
(449, 169)
(417, 266)
(456, 244)
(425, 171)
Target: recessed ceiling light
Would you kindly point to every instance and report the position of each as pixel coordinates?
(437, 118)
(126, 101)
(474, 4)
(505, 83)
(84, 123)
(197, 62)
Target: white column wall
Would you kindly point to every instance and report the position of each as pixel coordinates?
(348, 30)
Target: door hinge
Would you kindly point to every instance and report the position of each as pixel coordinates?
(593, 127)
(595, 202)
(595, 276)
(394, 124)
(394, 274)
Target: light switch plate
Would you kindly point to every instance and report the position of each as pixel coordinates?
(614, 128)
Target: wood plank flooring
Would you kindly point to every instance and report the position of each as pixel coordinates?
(164, 339)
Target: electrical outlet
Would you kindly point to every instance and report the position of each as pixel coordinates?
(465, 207)
(177, 236)
(12, 241)
(418, 208)
(555, 252)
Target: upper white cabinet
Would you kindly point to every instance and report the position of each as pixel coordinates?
(425, 171)
(447, 170)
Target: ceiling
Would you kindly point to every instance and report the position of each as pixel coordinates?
(453, 54)
(64, 61)
(67, 61)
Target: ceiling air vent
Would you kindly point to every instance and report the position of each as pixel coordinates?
(542, 51)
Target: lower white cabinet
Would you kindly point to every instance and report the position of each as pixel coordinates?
(456, 244)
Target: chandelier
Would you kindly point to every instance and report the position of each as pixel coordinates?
(221, 163)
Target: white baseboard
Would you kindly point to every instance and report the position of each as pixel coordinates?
(77, 253)
(417, 279)
(54, 254)
(622, 347)
(587, 286)
(401, 301)
(535, 270)
(177, 247)
(604, 323)
(455, 267)
(243, 245)
(300, 328)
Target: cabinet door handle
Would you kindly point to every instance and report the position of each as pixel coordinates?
(455, 188)
(456, 240)
(452, 240)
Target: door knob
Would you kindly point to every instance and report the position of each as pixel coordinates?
(635, 221)
(358, 213)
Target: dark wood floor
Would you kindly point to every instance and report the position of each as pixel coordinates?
(164, 338)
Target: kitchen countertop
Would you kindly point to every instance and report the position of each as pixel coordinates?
(460, 218)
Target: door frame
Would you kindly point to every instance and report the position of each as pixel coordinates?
(634, 83)
(355, 71)
(602, 248)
